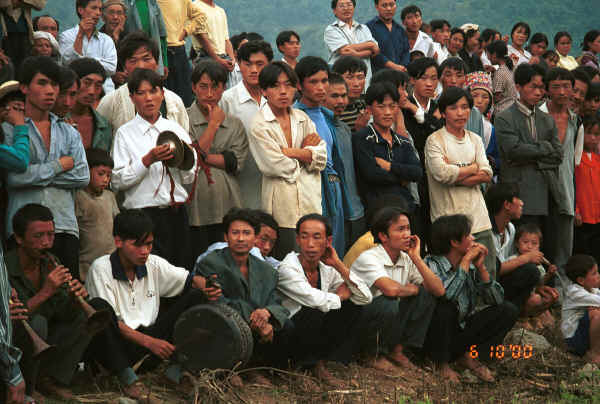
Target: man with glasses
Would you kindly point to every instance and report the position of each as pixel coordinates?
(391, 37)
(346, 37)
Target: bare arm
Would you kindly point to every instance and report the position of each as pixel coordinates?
(302, 155)
(479, 178)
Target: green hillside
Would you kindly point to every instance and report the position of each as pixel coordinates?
(309, 17)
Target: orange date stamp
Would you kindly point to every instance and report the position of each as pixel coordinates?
(504, 351)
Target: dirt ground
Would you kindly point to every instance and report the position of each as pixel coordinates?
(550, 377)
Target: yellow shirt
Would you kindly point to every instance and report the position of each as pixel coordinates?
(567, 62)
(364, 243)
(216, 23)
(180, 14)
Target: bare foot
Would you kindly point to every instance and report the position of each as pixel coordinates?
(258, 379)
(446, 372)
(399, 359)
(50, 387)
(547, 319)
(321, 373)
(383, 364)
(139, 392)
(236, 381)
(478, 368)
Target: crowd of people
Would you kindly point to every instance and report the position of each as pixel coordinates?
(419, 193)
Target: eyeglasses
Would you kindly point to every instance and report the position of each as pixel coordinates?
(345, 5)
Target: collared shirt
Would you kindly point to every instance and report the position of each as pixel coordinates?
(529, 118)
(393, 45)
(10, 373)
(344, 141)
(424, 44)
(254, 251)
(522, 57)
(182, 14)
(376, 263)
(216, 23)
(99, 46)
(464, 288)
(118, 108)
(235, 77)
(338, 34)
(102, 137)
(503, 242)
(567, 62)
(238, 102)
(147, 186)
(136, 303)
(290, 189)
(576, 302)
(212, 201)
(504, 84)
(297, 292)
(318, 118)
(148, 18)
(45, 182)
(439, 52)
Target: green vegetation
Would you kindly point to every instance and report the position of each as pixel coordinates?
(309, 17)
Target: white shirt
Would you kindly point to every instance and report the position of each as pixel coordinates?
(238, 102)
(99, 46)
(504, 250)
(575, 303)
(441, 51)
(424, 43)
(136, 302)
(297, 292)
(216, 23)
(140, 183)
(375, 263)
(523, 57)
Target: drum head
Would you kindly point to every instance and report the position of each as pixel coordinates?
(212, 336)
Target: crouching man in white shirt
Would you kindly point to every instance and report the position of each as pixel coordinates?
(404, 289)
(324, 300)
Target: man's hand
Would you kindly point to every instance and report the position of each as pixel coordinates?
(412, 289)
(15, 114)
(344, 292)
(226, 63)
(77, 288)
(16, 307)
(159, 347)
(483, 252)
(86, 25)
(259, 318)
(578, 219)
(119, 78)
(4, 60)
(384, 164)
(183, 34)
(330, 257)
(414, 250)
(66, 162)
(472, 255)
(311, 139)
(216, 115)
(534, 257)
(15, 394)
(266, 334)
(210, 288)
(549, 294)
(362, 120)
(56, 279)
(158, 153)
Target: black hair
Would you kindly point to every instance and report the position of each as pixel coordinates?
(457, 30)
(38, 64)
(590, 36)
(439, 24)
(561, 34)
(86, 66)
(267, 220)
(138, 76)
(539, 37)
(416, 54)
(82, 4)
(385, 201)
(590, 70)
(67, 78)
(417, 68)
(451, 96)
(549, 53)
(133, 42)
(525, 72)
(590, 121)
(519, 25)
(335, 2)
(254, 36)
(500, 49)
(558, 73)
(236, 40)
(269, 75)
(497, 194)
(377, 2)
(16, 95)
(349, 64)
(309, 66)
(488, 34)
(242, 215)
(396, 77)
(453, 63)
(411, 9)
(378, 91)
(98, 157)
(252, 47)
(528, 228)
(582, 75)
(36, 21)
(578, 266)
(336, 78)
(447, 229)
(32, 212)
(383, 219)
(214, 70)
(285, 36)
(593, 91)
(133, 224)
(469, 34)
(318, 218)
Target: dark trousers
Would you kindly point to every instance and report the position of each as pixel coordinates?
(125, 353)
(66, 248)
(17, 46)
(171, 235)
(354, 229)
(316, 336)
(587, 240)
(519, 284)
(203, 236)
(446, 341)
(286, 243)
(179, 79)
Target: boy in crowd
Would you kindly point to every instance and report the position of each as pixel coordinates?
(591, 105)
(139, 171)
(354, 71)
(402, 285)
(68, 88)
(288, 43)
(581, 85)
(223, 139)
(581, 308)
(94, 129)
(138, 51)
(288, 152)
(95, 209)
(336, 101)
(412, 19)
(440, 33)
(324, 300)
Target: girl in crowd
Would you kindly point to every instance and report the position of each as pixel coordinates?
(551, 58)
(562, 46)
(471, 49)
(487, 37)
(505, 92)
(591, 49)
(537, 46)
(519, 36)
(456, 42)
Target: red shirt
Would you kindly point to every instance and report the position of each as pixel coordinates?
(587, 188)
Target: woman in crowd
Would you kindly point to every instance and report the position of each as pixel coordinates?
(591, 49)
(505, 92)
(562, 46)
(538, 44)
(519, 36)
(471, 49)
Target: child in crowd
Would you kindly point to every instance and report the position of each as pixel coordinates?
(587, 191)
(528, 240)
(581, 308)
(551, 58)
(562, 46)
(591, 105)
(95, 209)
(505, 91)
(537, 46)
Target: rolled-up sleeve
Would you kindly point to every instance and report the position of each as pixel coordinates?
(268, 155)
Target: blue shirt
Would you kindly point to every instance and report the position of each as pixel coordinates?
(344, 139)
(323, 130)
(393, 45)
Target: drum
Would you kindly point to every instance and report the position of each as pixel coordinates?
(212, 336)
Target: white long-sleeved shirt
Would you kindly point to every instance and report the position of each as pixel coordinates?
(575, 303)
(298, 292)
(147, 186)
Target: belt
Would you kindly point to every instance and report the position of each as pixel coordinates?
(333, 178)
